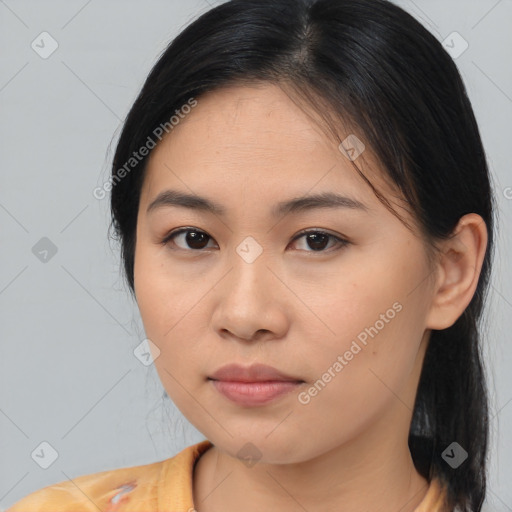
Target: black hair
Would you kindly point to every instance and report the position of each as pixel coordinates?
(371, 65)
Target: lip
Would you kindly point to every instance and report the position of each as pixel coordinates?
(253, 373)
(254, 385)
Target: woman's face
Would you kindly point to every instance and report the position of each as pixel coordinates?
(347, 320)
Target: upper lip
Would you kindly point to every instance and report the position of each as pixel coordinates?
(253, 373)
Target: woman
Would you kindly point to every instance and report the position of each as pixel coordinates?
(306, 223)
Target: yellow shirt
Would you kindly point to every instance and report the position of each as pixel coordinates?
(164, 486)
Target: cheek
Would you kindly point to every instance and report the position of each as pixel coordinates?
(358, 382)
(380, 359)
(171, 312)
(160, 296)
(350, 303)
(374, 324)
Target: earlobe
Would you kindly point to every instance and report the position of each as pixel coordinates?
(459, 271)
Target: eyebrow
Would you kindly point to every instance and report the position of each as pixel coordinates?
(174, 198)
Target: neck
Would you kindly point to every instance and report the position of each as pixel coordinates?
(373, 472)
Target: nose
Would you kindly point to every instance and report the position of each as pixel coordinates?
(251, 302)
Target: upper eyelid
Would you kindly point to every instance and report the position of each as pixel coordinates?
(316, 230)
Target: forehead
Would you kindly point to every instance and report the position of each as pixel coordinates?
(257, 117)
(256, 138)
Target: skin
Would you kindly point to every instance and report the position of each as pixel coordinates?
(293, 308)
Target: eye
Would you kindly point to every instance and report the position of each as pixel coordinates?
(195, 239)
(317, 240)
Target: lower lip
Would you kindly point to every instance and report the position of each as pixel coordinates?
(254, 393)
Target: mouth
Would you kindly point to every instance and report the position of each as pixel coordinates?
(254, 385)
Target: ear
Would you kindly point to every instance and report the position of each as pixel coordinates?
(458, 271)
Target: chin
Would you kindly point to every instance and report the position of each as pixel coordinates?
(262, 448)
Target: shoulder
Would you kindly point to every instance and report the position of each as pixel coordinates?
(435, 499)
(134, 488)
(93, 492)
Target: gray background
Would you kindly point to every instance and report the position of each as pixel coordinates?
(68, 374)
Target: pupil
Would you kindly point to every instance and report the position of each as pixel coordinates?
(313, 237)
(193, 239)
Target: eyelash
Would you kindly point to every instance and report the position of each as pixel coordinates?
(341, 242)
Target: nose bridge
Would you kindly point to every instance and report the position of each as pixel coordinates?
(251, 287)
(249, 262)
